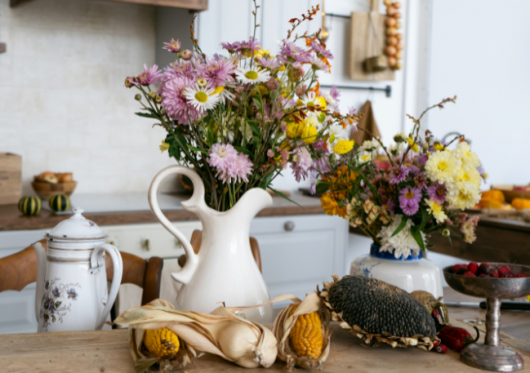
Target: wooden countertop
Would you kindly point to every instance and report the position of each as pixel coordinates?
(12, 219)
(108, 352)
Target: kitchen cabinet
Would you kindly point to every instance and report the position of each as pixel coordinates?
(298, 252)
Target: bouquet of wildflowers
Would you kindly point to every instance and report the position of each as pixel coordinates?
(423, 189)
(240, 119)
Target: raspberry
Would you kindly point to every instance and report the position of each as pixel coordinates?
(484, 268)
(472, 267)
(469, 274)
(494, 274)
(456, 267)
(504, 270)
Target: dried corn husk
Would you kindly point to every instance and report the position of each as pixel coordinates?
(431, 303)
(221, 333)
(285, 322)
(419, 341)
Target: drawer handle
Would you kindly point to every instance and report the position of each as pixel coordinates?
(147, 244)
(289, 226)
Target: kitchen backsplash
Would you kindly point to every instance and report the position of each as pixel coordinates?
(63, 104)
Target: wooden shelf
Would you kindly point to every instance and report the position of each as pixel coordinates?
(185, 4)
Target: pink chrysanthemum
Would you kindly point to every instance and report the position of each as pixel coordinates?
(221, 156)
(179, 69)
(174, 101)
(240, 168)
(302, 164)
(148, 76)
(217, 72)
(172, 46)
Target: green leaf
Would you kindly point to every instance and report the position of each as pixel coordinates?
(400, 227)
(322, 187)
(283, 196)
(416, 233)
(259, 104)
(174, 150)
(424, 219)
(254, 128)
(243, 150)
(197, 149)
(267, 180)
(145, 115)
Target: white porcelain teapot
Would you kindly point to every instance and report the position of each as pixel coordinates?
(72, 290)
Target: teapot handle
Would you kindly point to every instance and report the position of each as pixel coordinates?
(117, 262)
(195, 204)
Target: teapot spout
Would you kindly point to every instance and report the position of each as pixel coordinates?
(41, 275)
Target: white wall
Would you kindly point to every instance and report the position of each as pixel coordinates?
(63, 105)
(486, 65)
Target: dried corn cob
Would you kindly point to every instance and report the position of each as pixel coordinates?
(161, 342)
(306, 334)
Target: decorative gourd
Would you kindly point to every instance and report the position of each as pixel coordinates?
(306, 335)
(161, 342)
(495, 195)
(29, 205)
(59, 203)
(521, 204)
(490, 203)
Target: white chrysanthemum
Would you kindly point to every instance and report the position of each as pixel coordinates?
(462, 195)
(464, 153)
(252, 75)
(395, 148)
(402, 243)
(202, 98)
(468, 173)
(442, 166)
(370, 146)
(336, 133)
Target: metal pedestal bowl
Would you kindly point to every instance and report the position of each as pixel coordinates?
(492, 355)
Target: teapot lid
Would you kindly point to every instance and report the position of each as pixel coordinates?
(77, 227)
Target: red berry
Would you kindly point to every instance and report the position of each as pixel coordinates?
(441, 349)
(482, 275)
(461, 270)
(469, 274)
(520, 275)
(436, 343)
(472, 267)
(509, 275)
(484, 268)
(494, 274)
(504, 270)
(456, 267)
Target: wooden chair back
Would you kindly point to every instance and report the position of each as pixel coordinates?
(196, 240)
(20, 269)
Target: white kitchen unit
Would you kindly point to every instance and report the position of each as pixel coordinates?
(298, 252)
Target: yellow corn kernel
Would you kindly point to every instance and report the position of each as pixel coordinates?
(306, 335)
(161, 342)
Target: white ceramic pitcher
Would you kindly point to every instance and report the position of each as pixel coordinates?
(224, 270)
(72, 290)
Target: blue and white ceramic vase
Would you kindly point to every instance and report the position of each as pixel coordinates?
(410, 274)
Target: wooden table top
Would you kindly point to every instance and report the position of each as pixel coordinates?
(12, 219)
(108, 351)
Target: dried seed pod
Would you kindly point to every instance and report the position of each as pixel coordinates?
(302, 330)
(220, 333)
(379, 312)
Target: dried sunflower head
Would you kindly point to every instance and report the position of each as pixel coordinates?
(302, 331)
(379, 312)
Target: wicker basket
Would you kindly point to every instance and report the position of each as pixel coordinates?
(47, 190)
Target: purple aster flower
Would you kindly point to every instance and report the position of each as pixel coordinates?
(409, 200)
(422, 159)
(269, 63)
(320, 50)
(250, 46)
(290, 52)
(398, 174)
(318, 64)
(335, 94)
(172, 46)
(420, 180)
(351, 111)
(436, 193)
(231, 47)
(217, 72)
(302, 163)
(148, 76)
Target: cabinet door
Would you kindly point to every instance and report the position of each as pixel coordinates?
(299, 252)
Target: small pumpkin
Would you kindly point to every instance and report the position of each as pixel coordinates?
(59, 203)
(521, 204)
(29, 205)
(495, 195)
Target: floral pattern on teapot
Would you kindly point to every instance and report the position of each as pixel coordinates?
(54, 299)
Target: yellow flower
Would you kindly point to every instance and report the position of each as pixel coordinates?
(468, 173)
(442, 167)
(330, 205)
(263, 53)
(436, 210)
(343, 146)
(462, 195)
(294, 130)
(413, 145)
(217, 90)
(164, 146)
(309, 134)
(438, 146)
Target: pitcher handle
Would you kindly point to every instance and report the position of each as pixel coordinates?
(117, 262)
(41, 275)
(194, 204)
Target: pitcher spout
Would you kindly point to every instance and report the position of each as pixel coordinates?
(252, 202)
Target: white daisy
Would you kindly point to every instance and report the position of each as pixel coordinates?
(311, 100)
(370, 145)
(252, 75)
(336, 133)
(202, 98)
(224, 94)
